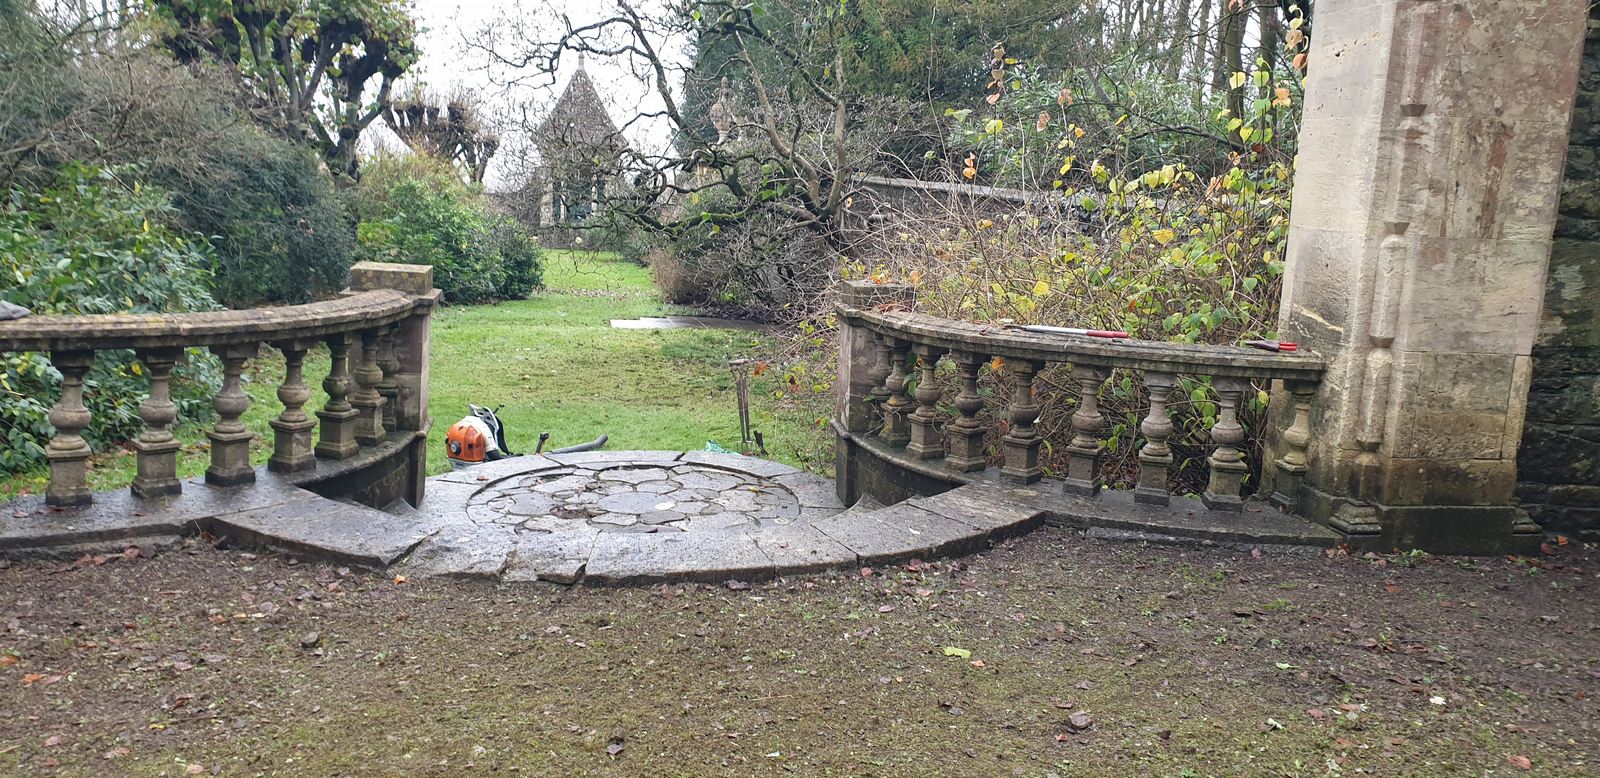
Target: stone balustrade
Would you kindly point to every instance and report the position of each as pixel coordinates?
(919, 443)
(376, 333)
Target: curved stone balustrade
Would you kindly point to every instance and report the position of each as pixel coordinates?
(377, 333)
(891, 452)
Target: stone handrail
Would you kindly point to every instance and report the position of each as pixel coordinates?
(377, 337)
(1009, 342)
(885, 350)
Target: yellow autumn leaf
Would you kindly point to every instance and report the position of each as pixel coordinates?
(1236, 80)
(1041, 288)
(916, 277)
(1246, 132)
(984, 224)
(969, 172)
(1281, 98)
(1077, 132)
(1164, 236)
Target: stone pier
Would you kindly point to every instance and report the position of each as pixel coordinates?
(1425, 198)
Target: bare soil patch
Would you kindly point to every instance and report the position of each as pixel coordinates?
(1051, 654)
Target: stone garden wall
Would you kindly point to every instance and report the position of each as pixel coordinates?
(1559, 462)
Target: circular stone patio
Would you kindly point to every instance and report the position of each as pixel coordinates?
(627, 517)
(636, 497)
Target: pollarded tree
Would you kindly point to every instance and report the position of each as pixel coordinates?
(307, 64)
(456, 132)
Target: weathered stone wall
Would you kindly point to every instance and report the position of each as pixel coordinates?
(1559, 461)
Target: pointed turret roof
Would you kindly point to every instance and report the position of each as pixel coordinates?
(579, 117)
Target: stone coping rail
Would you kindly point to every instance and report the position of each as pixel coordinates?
(208, 328)
(1002, 341)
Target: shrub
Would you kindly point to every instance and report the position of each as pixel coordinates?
(92, 243)
(282, 232)
(415, 209)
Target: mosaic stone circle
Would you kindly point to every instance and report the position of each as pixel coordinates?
(635, 497)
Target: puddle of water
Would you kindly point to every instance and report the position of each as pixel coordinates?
(685, 322)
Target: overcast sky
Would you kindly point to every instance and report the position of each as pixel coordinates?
(449, 62)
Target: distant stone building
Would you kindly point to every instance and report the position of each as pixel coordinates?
(580, 151)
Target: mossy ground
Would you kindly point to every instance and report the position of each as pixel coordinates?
(1187, 663)
(555, 364)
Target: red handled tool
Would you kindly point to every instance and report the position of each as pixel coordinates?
(1272, 345)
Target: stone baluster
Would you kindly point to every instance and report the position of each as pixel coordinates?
(291, 445)
(1296, 438)
(230, 440)
(1084, 451)
(389, 387)
(366, 399)
(881, 368)
(156, 468)
(1155, 459)
(67, 451)
(896, 410)
(1022, 441)
(965, 433)
(338, 419)
(925, 442)
(1228, 467)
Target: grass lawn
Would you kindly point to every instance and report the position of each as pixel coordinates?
(555, 364)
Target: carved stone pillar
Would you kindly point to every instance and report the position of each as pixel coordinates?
(1228, 467)
(925, 441)
(965, 433)
(67, 451)
(1421, 232)
(156, 471)
(366, 400)
(230, 440)
(337, 439)
(1083, 453)
(292, 447)
(389, 386)
(1155, 459)
(1022, 441)
(1292, 464)
(896, 425)
(860, 375)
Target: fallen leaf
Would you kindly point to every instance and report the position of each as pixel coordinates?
(1520, 762)
(961, 652)
(53, 740)
(194, 769)
(885, 608)
(1079, 721)
(976, 663)
(737, 585)
(8, 660)
(399, 579)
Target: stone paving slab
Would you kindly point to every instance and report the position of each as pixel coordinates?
(1258, 524)
(620, 559)
(462, 550)
(27, 523)
(762, 467)
(988, 508)
(800, 549)
(900, 533)
(338, 532)
(555, 557)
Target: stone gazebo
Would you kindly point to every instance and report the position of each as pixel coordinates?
(579, 148)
